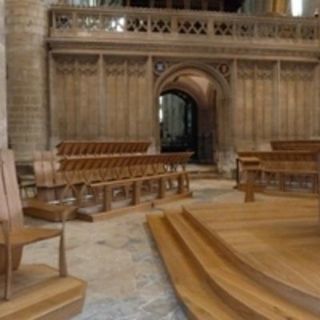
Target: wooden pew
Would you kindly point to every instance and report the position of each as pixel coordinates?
(49, 181)
(122, 172)
(294, 172)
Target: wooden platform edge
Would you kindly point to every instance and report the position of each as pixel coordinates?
(50, 212)
(189, 285)
(102, 216)
(276, 285)
(46, 297)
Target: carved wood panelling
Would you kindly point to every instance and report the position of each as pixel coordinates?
(98, 96)
(75, 112)
(297, 100)
(255, 99)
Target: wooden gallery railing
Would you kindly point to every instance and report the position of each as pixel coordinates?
(174, 25)
(279, 171)
(108, 180)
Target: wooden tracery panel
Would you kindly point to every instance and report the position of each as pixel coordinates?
(100, 97)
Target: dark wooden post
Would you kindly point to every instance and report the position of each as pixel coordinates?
(318, 182)
(162, 188)
(136, 197)
(180, 183)
(107, 198)
(249, 193)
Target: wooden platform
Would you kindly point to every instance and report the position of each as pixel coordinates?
(39, 293)
(246, 261)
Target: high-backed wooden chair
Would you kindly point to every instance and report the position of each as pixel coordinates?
(14, 235)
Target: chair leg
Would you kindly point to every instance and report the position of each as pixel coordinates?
(62, 257)
(8, 275)
(8, 254)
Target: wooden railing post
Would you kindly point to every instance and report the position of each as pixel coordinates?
(180, 183)
(162, 188)
(107, 198)
(136, 196)
(249, 193)
(318, 183)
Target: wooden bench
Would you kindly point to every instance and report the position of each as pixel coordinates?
(120, 172)
(48, 179)
(283, 171)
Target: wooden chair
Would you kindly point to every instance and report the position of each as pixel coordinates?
(14, 235)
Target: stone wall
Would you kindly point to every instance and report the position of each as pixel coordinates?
(27, 72)
(3, 98)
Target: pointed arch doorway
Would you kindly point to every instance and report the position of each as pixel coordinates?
(210, 93)
(178, 117)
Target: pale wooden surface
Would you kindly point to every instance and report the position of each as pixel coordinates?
(40, 294)
(199, 298)
(275, 244)
(240, 292)
(14, 235)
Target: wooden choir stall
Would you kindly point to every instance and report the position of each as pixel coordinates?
(32, 291)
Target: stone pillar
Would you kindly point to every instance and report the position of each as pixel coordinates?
(3, 84)
(27, 76)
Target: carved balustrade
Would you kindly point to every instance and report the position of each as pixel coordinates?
(85, 21)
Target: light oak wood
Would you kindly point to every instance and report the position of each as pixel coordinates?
(259, 258)
(40, 294)
(201, 301)
(281, 171)
(272, 243)
(14, 235)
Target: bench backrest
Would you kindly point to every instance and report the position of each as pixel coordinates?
(307, 145)
(284, 160)
(94, 148)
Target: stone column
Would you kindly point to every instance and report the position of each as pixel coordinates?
(27, 76)
(3, 84)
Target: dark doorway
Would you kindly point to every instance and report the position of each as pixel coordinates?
(178, 122)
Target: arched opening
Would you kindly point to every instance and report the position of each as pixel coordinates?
(210, 91)
(178, 120)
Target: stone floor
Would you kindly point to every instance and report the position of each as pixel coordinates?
(125, 275)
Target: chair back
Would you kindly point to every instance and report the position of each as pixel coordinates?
(10, 202)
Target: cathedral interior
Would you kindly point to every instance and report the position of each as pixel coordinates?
(187, 132)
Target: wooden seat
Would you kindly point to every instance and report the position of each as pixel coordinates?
(14, 235)
(29, 235)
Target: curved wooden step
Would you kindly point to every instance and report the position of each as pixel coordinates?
(240, 292)
(191, 287)
(276, 273)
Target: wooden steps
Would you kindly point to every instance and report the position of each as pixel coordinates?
(268, 249)
(204, 258)
(191, 287)
(40, 294)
